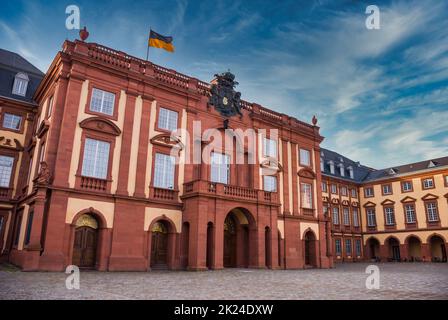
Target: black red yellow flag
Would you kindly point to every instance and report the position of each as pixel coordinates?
(158, 41)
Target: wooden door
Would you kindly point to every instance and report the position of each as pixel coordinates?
(85, 245)
(159, 249)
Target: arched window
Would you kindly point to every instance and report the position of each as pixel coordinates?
(20, 84)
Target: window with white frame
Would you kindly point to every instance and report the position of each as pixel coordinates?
(371, 218)
(164, 168)
(387, 189)
(346, 215)
(355, 217)
(270, 183)
(220, 167)
(325, 208)
(348, 247)
(358, 247)
(407, 186)
(334, 189)
(307, 195)
(102, 101)
(410, 213)
(368, 192)
(96, 158)
(428, 183)
(269, 147)
(390, 217)
(431, 210)
(11, 121)
(344, 191)
(337, 247)
(335, 215)
(322, 167)
(305, 157)
(20, 84)
(6, 164)
(324, 187)
(167, 119)
(354, 193)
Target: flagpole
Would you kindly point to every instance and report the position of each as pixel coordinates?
(147, 49)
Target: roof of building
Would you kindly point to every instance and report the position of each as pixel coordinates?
(362, 174)
(10, 64)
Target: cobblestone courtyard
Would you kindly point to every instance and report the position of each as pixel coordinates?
(346, 281)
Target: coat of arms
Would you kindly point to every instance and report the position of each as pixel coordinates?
(223, 95)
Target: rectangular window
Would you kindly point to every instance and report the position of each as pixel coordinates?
(1, 224)
(348, 247)
(406, 186)
(164, 171)
(50, 107)
(324, 187)
(269, 148)
(325, 210)
(368, 192)
(346, 214)
(18, 226)
(334, 189)
(28, 228)
(390, 218)
(387, 189)
(354, 193)
(358, 247)
(336, 216)
(6, 164)
(337, 247)
(12, 121)
(431, 210)
(167, 119)
(20, 86)
(410, 213)
(371, 219)
(270, 183)
(307, 195)
(102, 101)
(220, 168)
(96, 159)
(344, 191)
(428, 183)
(305, 158)
(355, 217)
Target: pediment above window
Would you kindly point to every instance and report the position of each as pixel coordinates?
(355, 204)
(369, 204)
(430, 196)
(345, 203)
(306, 173)
(387, 202)
(271, 164)
(13, 144)
(408, 199)
(44, 125)
(325, 199)
(335, 201)
(166, 140)
(101, 125)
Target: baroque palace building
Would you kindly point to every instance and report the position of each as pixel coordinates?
(91, 175)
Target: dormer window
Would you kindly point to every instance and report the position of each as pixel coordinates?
(322, 168)
(20, 84)
(331, 163)
(350, 171)
(392, 171)
(341, 170)
(432, 164)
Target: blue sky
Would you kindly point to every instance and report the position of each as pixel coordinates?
(381, 96)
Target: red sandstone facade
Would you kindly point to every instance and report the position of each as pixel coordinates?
(125, 222)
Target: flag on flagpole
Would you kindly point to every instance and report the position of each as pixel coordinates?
(158, 41)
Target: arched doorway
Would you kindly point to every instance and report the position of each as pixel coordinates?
(240, 239)
(230, 241)
(159, 245)
(86, 242)
(373, 247)
(310, 249)
(210, 246)
(438, 249)
(394, 249)
(414, 249)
